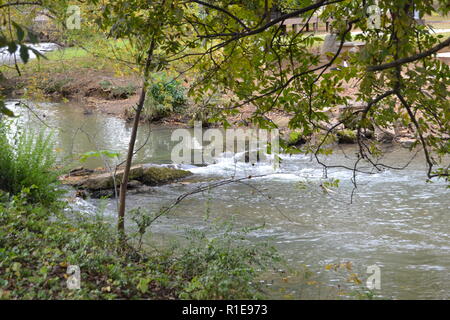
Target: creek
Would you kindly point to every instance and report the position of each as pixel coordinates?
(397, 220)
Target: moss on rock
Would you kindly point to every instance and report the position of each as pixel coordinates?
(154, 176)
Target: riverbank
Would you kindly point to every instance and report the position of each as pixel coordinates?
(73, 74)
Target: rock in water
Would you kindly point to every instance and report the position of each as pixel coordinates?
(148, 175)
(346, 136)
(104, 181)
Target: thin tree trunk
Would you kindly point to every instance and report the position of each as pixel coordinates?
(137, 116)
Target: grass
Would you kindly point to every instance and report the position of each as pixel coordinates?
(66, 59)
(92, 55)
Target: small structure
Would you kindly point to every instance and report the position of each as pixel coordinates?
(297, 23)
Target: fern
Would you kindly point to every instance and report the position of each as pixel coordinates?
(27, 161)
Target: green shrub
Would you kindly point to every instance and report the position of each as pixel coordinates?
(27, 161)
(55, 86)
(164, 97)
(123, 92)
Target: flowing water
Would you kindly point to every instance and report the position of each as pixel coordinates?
(397, 221)
(7, 58)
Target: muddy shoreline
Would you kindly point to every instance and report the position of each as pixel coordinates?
(102, 92)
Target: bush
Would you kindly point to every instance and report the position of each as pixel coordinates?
(218, 262)
(27, 161)
(58, 86)
(164, 97)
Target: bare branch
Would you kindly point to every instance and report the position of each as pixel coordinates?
(223, 11)
(413, 58)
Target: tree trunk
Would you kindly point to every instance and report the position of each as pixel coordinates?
(129, 160)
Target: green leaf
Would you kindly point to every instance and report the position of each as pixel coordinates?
(19, 31)
(4, 110)
(33, 36)
(12, 47)
(143, 284)
(24, 55)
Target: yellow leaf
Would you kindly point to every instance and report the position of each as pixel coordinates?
(354, 278)
(349, 266)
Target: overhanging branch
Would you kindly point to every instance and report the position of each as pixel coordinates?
(413, 58)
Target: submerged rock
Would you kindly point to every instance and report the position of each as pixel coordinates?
(384, 135)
